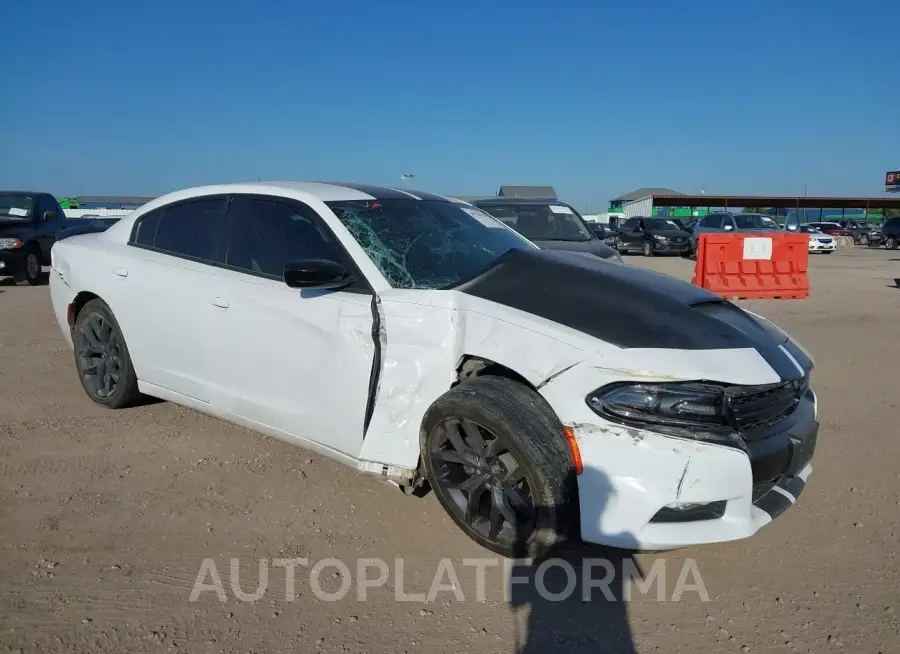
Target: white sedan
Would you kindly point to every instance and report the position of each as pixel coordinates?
(818, 240)
(418, 339)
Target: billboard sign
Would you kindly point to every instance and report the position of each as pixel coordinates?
(892, 181)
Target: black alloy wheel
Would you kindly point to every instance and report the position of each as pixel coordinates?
(485, 480)
(102, 358)
(494, 453)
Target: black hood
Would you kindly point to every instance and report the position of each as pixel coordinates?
(593, 246)
(627, 306)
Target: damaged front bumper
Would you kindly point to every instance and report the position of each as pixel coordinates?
(645, 490)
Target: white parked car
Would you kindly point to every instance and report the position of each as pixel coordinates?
(421, 340)
(818, 240)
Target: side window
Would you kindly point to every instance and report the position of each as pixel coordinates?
(267, 234)
(631, 223)
(192, 229)
(144, 232)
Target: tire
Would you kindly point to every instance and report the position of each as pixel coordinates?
(620, 247)
(98, 340)
(890, 243)
(31, 269)
(863, 240)
(827, 251)
(494, 420)
(648, 249)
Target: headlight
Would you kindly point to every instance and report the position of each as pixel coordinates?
(689, 410)
(659, 238)
(10, 243)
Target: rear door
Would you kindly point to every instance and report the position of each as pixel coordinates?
(162, 294)
(297, 361)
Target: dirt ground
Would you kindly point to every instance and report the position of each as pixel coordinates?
(107, 517)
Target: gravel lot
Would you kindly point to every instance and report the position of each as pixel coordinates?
(106, 518)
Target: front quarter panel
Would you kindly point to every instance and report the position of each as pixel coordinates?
(424, 338)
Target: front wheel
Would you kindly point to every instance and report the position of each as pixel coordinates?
(495, 455)
(648, 249)
(31, 270)
(891, 243)
(101, 357)
(863, 240)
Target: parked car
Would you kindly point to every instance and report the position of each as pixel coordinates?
(603, 232)
(417, 338)
(725, 221)
(832, 229)
(652, 236)
(29, 223)
(888, 235)
(549, 224)
(818, 241)
(860, 231)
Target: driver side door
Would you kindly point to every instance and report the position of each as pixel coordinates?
(294, 363)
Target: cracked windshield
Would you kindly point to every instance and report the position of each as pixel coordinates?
(542, 222)
(424, 244)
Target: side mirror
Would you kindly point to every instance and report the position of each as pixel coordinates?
(317, 273)
(638, 229)
(791, 228)
(728, 228)
(49, 214)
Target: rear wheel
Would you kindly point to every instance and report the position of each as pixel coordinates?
(648, 249)
(890, 243)
(31, 269)
(495, 455)
(101, 357)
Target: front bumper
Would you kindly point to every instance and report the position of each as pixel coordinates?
(12, 262)
(820, 246)
(631, 474)
(680, 247)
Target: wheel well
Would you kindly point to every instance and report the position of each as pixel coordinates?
(78, 304)
(472, 366)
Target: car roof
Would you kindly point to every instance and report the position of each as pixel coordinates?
(302, 191)
(21, 192)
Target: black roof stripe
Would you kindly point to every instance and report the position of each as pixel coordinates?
(387, 193)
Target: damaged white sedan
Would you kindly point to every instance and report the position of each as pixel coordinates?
(419, 339)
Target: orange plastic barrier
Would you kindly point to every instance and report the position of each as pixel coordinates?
(756, 265)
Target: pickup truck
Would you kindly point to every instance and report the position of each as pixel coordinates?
(30, 223)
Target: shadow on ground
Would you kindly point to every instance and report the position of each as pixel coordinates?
(574, 595)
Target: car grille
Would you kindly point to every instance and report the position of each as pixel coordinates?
(677, 241)
(754, 408)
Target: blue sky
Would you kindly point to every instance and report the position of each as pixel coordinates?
(594, 98)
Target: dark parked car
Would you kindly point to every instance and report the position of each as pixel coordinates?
(549, 224)
(652, 236)
(861, 231)
(30, 223)
(603, 232)
(889, 235)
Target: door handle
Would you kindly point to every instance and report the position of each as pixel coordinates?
(219, 301)
(120, 271)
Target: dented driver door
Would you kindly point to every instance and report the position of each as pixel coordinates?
(295, 361)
